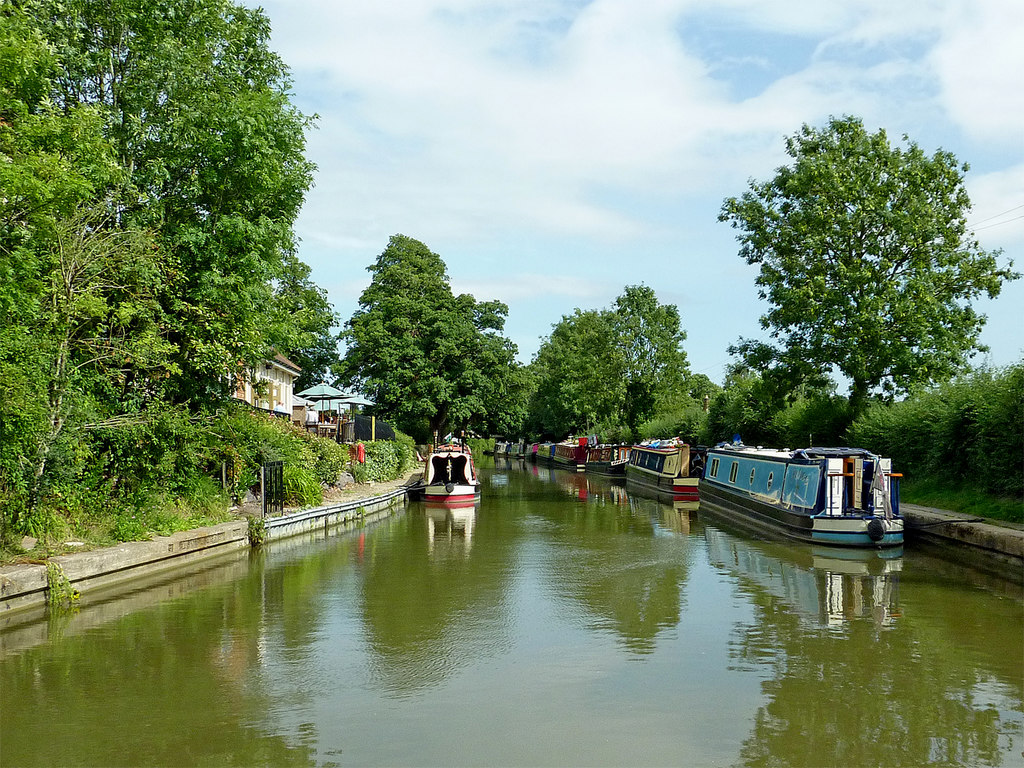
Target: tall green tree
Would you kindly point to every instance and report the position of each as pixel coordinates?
(431, 361)
(613, 367)
(650, 340)
(312, 342)
(151, 168)
(197, 109)
(81, 328)
(579, 375)
(866, 262)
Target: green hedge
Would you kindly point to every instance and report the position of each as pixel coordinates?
(160, 471)
(385, 460)
(967, 432)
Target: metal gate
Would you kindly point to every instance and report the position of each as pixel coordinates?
(272, 487)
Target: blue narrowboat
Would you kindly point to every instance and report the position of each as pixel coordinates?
(835, 496)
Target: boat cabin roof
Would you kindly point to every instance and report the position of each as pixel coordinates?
(799, 453)
(451, 448)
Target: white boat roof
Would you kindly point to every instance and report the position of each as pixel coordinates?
(786, 453)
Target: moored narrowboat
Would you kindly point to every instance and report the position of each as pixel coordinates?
(663, 466)
(571, 454)
(545, 452)
(834, 496)
(449, 475)
(609, 460)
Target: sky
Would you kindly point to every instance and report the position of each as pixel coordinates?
(553, 152)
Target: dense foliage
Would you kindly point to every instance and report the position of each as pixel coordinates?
(612, 370)
(866, 263)
(152, 168)
(386, 460)
(431, 361)
(969, 431)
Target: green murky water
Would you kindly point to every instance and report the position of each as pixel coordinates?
(561, 622)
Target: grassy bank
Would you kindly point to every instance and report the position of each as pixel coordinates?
(177, 471)
(970, 502)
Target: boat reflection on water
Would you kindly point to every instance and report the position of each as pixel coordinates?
(446, 521)
(828, 585)
(676, 516)
(596, 489)
(825, 585)
(540, 471)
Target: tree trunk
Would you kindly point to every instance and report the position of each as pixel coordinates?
(858, 397)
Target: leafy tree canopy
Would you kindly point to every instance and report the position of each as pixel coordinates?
(196, 108)
(579, 375)
(615, 366)
(866, 262)
(151, 169)
(426, 357)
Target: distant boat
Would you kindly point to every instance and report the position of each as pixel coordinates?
(836, 496)
(449, 475)
(545, 452)
(664, 466)
(607, 460)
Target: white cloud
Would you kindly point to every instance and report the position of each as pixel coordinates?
(479, 125)
(535, 287)
(979, 61)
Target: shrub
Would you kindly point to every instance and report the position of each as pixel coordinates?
(817, 419)
(480, 444)
(690, 424)
(969, 431)
(385, 460)
(610, 432)
(301, 487)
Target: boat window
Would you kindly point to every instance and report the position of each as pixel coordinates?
(771, 476)
(714, 468)
(733, 471)
(752, 475)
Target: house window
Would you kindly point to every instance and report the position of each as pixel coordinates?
(732, 472)
(714, 468)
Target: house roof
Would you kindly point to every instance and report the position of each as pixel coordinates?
(284, 362)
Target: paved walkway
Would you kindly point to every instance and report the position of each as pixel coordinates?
(996, 540)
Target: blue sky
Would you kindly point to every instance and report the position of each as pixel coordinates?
(554, 151)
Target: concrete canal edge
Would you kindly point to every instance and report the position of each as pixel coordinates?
(27, 586)
(989, 545)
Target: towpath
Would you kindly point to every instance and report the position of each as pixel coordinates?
(990, 544)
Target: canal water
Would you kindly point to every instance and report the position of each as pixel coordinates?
(560, 622)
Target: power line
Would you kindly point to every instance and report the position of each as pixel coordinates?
(999, 223)
(1015, 208)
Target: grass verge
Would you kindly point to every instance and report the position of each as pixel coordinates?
(930, 492)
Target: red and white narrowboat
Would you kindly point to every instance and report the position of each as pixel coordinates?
(450, 475)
